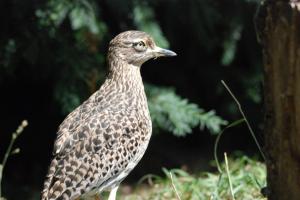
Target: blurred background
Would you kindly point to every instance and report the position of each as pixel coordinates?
(53, 57)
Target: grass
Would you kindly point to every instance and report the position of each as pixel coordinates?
(247, 177)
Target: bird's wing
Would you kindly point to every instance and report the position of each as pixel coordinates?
(74, 127)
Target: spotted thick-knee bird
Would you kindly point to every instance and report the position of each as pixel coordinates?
(102, 140)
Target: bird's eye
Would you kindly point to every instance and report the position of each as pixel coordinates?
(139, 46)
(141, 43)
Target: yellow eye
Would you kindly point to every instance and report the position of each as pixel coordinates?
(141, 43)
(139, 46)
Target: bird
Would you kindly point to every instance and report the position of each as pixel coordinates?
(102, 140)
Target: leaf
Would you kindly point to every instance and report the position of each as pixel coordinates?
(172, 113)
(235, 123)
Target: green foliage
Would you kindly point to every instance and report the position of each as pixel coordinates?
(172, 113)
(55, 12)
(9, 50)
(77, 77)
(81, 13)
(143, 17)
(84, 16)
(230, 45)
(248, 176)
(67, 97)
(211, 121)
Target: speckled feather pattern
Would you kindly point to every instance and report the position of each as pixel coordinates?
(102, 140)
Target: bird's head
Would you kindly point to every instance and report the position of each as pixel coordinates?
(135, 47)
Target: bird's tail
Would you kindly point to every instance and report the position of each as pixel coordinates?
(49, 179)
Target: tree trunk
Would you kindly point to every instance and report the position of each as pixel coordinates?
(281, 50)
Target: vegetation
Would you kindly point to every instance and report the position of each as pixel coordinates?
(10, 151)
(174, 114)
(52, 57)
(248, 176)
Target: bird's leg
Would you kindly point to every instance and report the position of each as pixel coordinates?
(113, 193)
(92, 197)
(97, 197)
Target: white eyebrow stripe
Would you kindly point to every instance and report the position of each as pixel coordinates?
(133, 41)
(138, 40)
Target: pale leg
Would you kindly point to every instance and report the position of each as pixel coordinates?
(97, 197)
(113, 193)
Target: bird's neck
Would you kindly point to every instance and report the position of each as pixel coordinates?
(125, 76)
(125, 83)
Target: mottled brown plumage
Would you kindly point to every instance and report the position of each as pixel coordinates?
(102, 140)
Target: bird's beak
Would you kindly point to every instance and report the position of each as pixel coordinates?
(163, 52)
